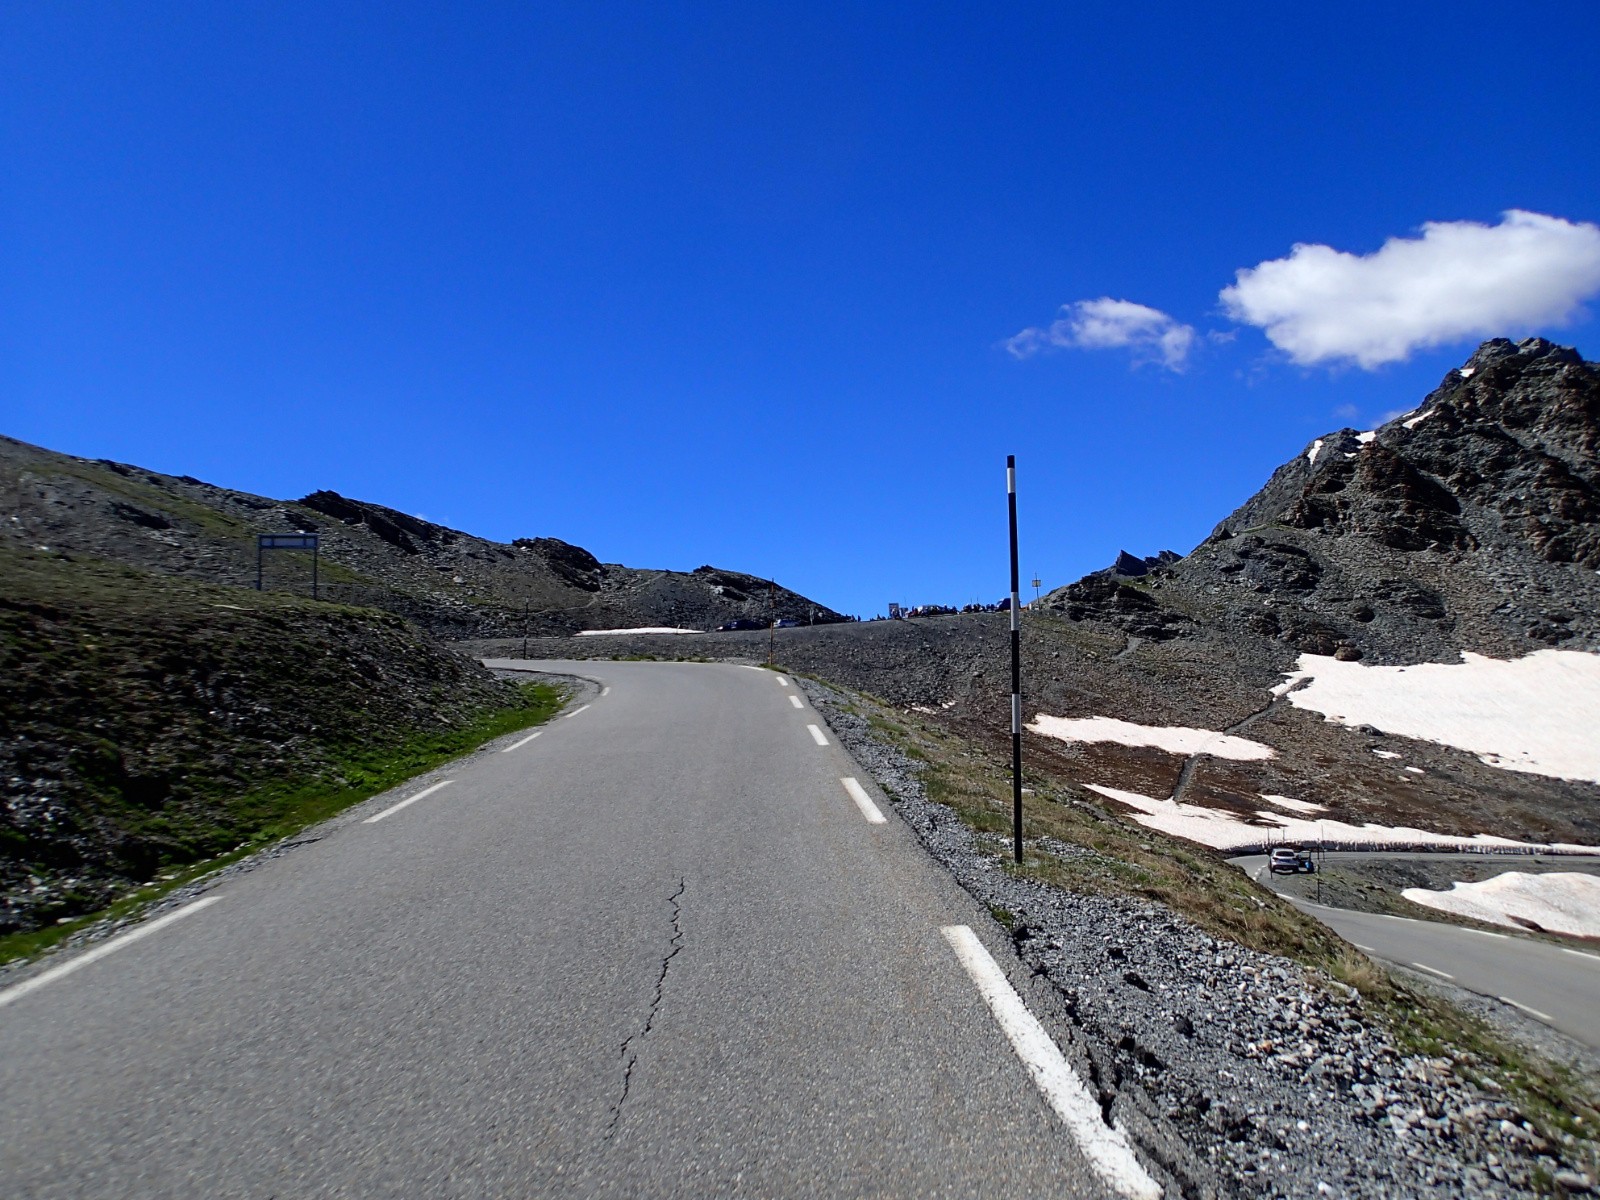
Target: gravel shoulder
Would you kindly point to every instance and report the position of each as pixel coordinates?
(1276, 1080)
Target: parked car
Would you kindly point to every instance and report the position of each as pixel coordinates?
(740, 623)
(1290, 860)
(788, 623)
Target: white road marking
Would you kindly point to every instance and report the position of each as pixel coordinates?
(521, 744)
(576, 711)
(782, 682)
(410, 800)
(1532, 1012)
(1433, 970)
(795, 700)
(816, 735)
(1359, 946)
(606, 691)
(1106, 1147)
(869, 810)
(100, 951)
(1594, 958)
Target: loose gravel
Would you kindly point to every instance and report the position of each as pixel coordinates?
(1274, 1078)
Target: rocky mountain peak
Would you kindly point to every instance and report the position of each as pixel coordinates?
(1469, 522)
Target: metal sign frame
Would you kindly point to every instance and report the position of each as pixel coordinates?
(287, 541)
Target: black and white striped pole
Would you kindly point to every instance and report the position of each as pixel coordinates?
(1016, 668)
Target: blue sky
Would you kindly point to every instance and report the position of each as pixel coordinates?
(736, 283)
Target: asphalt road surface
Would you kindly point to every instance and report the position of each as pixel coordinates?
(660, 949)
(1553, 984)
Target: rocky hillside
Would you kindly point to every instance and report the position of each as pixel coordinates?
(148, 721)
(1471, 523)
(451, 583)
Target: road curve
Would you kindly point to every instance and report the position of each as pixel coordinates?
(660, 950)
(1553, 984)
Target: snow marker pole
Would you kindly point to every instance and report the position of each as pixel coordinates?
(1016, 668)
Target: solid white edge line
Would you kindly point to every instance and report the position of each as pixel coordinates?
(1532, 1012)
(1106, 1147)
(869, 810)
(576, 711)
(816, 735)
(88, 956)
(1594, 958)
(409, 800)
(1433, 970)
(782, 682)
(521, 744)
(796, 701)
(1359, 946)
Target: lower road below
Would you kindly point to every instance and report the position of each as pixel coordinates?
(1553, 984)
(661, 949)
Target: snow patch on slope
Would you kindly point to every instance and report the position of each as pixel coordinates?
(641, 629)
(1293, 805)
(1561, 901)
(1228, 831)
(1175, 739)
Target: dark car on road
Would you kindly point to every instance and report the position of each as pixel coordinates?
(1290, 860)
(740, 623)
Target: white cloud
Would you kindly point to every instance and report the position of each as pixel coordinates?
(1460, 279)
(1151, 334)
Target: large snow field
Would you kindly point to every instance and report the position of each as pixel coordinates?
(1223, 830)
(1539, 714)
(1176, 739)
(1561, 901)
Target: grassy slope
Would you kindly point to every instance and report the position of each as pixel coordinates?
(150, 723)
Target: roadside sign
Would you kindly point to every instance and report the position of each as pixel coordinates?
(287, 541)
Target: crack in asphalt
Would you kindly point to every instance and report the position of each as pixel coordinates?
(629, 1055)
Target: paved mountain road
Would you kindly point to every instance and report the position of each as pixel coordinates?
(658, 951)
(1554, 984)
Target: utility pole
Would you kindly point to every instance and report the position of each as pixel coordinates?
(527, 603)
(1016, 668)
(772, 620)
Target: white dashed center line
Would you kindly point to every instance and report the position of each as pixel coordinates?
(606, 691)
(795, 700)
(408, 801)
(1532, 1012)
(521, 744)
(869, 810)
(576, 711)
(100, 951)
(782, 682)
(816, 735)
(1105, 1146)
(1433, 970)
